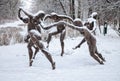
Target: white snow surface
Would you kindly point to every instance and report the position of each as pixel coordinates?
(75, 65)
(14, 24)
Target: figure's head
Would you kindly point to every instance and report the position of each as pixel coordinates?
(94, 15)
(78, 22)
(25, 20)
(40, 15)
(53, 15)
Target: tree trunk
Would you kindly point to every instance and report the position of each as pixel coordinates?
(79, 8)
(62, 7)
(72, 9)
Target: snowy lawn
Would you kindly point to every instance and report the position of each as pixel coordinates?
(75, 65)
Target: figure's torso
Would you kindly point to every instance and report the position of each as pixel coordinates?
(60, 27)
(32, 24)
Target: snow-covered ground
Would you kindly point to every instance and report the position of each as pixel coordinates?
(75, 65)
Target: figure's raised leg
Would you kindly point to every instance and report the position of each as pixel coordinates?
(62, 37)
(49, 57)
(49, 37)
(41, 47)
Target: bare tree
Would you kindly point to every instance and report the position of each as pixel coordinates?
(72, 9)
(8, 9)
(63, 7)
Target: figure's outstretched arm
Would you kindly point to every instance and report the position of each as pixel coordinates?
(66, 17)
(19, 15)
(78, 46)
(49, 26)
(30, 16)
(72, 26)
(63, 23)
(25, 20)
(46, 17)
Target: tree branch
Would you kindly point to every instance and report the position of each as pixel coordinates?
(62, 7)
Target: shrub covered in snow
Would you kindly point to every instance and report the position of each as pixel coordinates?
(10, 35)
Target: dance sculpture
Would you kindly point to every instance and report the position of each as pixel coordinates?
(34, 38)
(90, 39)
(90, 24)
(60, 28)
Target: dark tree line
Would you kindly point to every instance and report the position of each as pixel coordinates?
(108, 10)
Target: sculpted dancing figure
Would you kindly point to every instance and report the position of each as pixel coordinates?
(33, 24)
(35, 40)
(60, 28)
(90, 24)
(90, 39)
